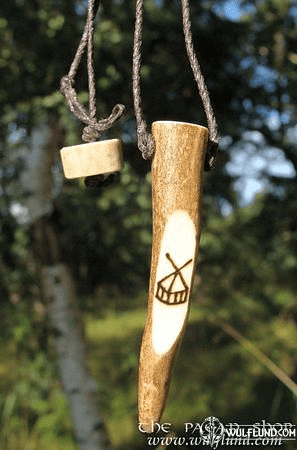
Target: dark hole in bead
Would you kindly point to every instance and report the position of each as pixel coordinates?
(102, 180)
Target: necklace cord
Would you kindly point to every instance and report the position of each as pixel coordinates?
(203, 92)
(145, 142)
(93, 129)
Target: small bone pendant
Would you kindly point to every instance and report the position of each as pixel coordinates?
(177, 171)
(91, 159)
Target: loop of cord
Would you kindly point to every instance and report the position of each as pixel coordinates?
(145, 142)
(94, 128)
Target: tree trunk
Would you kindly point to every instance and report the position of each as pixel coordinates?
(59, 291)
(71, 353)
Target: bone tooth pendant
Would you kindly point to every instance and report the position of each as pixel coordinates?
(92, 159)
(177, 171)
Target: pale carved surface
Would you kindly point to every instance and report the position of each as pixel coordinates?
(168, 318)
(92, 159)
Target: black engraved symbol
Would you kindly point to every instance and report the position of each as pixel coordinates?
(172, 289)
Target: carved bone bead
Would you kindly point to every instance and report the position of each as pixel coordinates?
(92, 159)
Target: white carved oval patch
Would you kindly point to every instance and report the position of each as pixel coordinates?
(173, 280)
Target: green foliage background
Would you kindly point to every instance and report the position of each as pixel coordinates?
(247, 265)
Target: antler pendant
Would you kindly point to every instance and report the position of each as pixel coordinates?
(92, 159)
(177, 171)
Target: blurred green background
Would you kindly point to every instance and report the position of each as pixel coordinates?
(247, 267)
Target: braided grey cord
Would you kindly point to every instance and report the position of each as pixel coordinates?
(212, 125)
(94, 128)
(145, 142)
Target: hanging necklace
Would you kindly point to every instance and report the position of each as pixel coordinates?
(180, 152)
(97, 161)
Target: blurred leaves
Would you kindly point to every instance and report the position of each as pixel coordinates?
(35, 404)
(112, 229)
(247, 264)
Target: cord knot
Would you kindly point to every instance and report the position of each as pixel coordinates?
(90, 134)
(211, 155)
(145, 140)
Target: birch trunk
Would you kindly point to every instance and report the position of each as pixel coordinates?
(71, 353)
(59, 288)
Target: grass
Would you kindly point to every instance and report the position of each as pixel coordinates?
(8, 362)
(113, 344)
(212, 376)
(114, 326)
